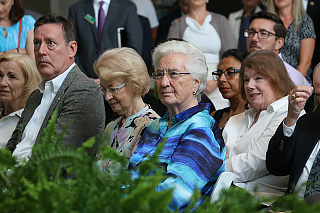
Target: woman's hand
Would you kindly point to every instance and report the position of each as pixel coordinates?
(297, 100)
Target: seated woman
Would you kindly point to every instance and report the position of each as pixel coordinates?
(124, 79)
(19, 77)
(16, 29)
(194, 152)
(227, 76)
(264, 84)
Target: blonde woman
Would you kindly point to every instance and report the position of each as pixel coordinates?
(19, 77)
(124, 79)
(300, 39)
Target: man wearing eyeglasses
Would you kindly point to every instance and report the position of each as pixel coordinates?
(267, 32)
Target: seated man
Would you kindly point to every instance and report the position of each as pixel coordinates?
(267, 32)
(294, 148)
(65, 88)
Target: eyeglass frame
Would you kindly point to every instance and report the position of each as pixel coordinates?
(107, 91)
(246, 33)
(215, 73)
(154, 75)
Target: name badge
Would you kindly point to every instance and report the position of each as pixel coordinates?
(20, 127)
(89, 19)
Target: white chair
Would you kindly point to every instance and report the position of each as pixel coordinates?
(224, 181)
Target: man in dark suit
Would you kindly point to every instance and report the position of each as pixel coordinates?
(295, 145)
(119, 14)
(76, 98)
(312, 9)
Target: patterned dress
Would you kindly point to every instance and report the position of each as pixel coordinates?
(124, 138)
(291, 48)
(193, 155)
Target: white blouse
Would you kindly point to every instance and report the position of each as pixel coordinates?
(8, 125)
(205, 37)
(246, 149)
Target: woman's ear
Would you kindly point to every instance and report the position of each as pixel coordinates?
(196, 85)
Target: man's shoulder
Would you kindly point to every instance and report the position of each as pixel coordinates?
(76, 78)
(310, 119)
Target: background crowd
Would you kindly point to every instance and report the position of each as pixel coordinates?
(222, 94)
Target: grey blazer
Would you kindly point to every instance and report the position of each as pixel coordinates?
(121, 13)
(78, 100)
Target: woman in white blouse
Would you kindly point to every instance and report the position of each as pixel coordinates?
(264, 84)
(19, 77)
(212, 34)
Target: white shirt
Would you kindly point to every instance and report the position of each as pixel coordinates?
(96, 7)
(30, 134)
(146, 9)
(300, 186)
(8, 125)
(205, 37)
(246, 149)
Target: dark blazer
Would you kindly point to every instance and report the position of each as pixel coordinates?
(313, 9)
(78, 100)
(288, 156)
(121, 13)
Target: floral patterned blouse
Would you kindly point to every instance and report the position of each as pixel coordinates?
(124, 138)
(291, 48)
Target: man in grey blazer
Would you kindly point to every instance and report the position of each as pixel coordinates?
(77, 98)
(119, 14)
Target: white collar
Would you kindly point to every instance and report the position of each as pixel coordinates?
(57, 81)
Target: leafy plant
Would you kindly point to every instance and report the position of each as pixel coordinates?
(59, 179)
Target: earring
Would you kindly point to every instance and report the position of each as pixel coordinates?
(194, 93)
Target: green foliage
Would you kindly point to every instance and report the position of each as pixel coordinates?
(59, 179)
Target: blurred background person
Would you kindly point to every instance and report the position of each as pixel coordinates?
(181, 8)
(239, 21)
(212, 34)
(146, 9)
(19, 77)
(264, 84)
(227, 76)
(194, 152)
(16, 28)
(300, 39)
(124, 78)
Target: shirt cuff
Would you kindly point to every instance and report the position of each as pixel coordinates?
(288, 131)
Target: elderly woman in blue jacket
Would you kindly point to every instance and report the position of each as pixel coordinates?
(194, 151)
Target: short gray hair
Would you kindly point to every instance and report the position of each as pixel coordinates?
(196, 61)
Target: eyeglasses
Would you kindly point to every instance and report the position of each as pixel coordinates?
(228, 73)
(262, 34)
(112, 90)
(171, 74)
